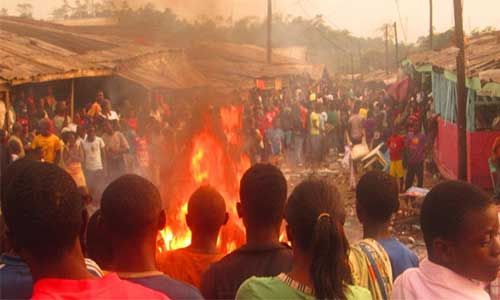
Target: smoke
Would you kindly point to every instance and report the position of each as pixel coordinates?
(190, 9)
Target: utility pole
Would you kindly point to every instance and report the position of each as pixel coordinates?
(431, 26)
(461, 94)
(269, 30)
(397, 44)
(386, 48)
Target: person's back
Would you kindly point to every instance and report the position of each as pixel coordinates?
(132, 215)
(45, 216)
(377, 199)
(315, 215)
(355, 128)
(205, 216)
(263, 192)
(460, 227)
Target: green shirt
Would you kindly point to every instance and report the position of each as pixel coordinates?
(280, 288)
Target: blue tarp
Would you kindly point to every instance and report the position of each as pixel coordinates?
(444, 92)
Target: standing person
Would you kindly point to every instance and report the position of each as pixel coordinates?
(116, 148)
(298, 135)
(17, 138)
(415, 144)
(396, 145)
(205, 217)
(94, 158)
(369, 126)
(377, 200)
(315, 216)
(95, 110)
(61, 118)
(45, 216)
(48, 142)
(73, 158)
(315, 136)
(355, 126)
(263, 192)
(460, 227)
(132, 215)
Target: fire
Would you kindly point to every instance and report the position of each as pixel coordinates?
(216, 160)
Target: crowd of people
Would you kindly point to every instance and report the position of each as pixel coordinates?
(302, 125)
(52, 250)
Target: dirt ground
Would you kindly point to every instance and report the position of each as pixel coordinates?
(405, 223)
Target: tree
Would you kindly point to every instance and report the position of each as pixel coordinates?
(25, 10)
(80, 10)
(4, 12)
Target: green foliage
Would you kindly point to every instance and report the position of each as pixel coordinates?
(25, 10)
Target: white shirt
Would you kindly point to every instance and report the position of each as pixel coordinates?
(432, 281)
(93, 150)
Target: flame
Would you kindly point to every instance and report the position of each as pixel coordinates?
(214, 160)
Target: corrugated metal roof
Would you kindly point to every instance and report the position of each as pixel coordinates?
(481, 54)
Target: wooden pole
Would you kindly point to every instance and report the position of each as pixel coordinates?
(461, 93)
(269, 30)
(397, 44)
(431, 26)
(386, 48)
(72, 100)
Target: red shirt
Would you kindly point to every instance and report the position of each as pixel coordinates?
(109, 287)
(396, 144)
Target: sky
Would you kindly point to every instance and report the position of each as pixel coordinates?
(361, 17)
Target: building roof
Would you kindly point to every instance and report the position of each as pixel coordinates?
(482, 56)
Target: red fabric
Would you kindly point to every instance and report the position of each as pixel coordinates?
(399, 90)
(303, 116)
(479, 146)
(261, 84)
(396, 145)
(109, 287)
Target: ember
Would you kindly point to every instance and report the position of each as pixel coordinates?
(216, 160)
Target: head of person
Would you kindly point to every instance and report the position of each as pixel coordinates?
(263, 192)
(356, 107)
(377, 198)
(100, 96)
(98, 245)
(61, 107)
(44, 214)
(460, 227)
(91, 133)
(315, 215)
(14, 147)
(44, 127)
(206, 212)
(106, 106)
(132, 213)
(81, 131)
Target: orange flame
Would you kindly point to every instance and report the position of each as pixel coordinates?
(215, 162)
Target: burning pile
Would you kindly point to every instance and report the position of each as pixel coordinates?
(214, 157)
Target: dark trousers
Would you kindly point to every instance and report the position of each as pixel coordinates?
(415, 169)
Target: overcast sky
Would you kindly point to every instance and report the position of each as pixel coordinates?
(361, 17)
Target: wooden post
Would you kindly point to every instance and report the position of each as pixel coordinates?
(397, 44)
(269, 30)
(7, 108)
(386, 49)
(431, 26)
(72, 100)
(461, 93)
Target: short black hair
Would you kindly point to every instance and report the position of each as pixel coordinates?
(207, 209)
(98, 245)
(378, 194)
(445, 206)
(130, 205)
(263, 192)
(43, 211)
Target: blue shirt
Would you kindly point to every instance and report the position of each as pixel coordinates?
(172, 288)
(16, 281)
(401, 257)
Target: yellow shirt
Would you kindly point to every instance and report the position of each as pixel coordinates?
(94, 110)
(314, 119)
(50, 146)
(363, 112)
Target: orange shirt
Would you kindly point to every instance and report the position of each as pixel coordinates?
(186, 265)
(50, 145)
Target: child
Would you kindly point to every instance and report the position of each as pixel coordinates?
(460, 227)
(396, 144)
(376, 201)
(415, 143)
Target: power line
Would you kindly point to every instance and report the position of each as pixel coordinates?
(401, 20)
